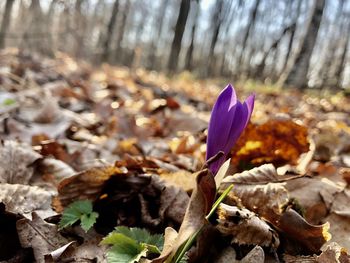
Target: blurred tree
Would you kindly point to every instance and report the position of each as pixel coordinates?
(158, 25)
(216, 22)
(80, 28)
(326, 72)
(189, 54)
(292, 38)
(5, 24)
(297, 77)
(110, 30)
(179, 31)
(251, 24)
(121, 31)
(342, 61)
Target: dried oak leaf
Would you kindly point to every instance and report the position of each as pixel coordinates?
(315, 194)
(256, 255)
(246, 227)
(199, 206)
(256, 191)
(114, 190)
(16, 162)
(41, 236)
(23, 199)
(306, 238)
(276, 141)
(332, 253)
(84, 185)
(269, 200)
(339, 219)
(89, 250)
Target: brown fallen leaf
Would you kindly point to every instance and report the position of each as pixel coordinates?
(114, 190)
(84, 185)
(88, 250)
(227, 255)
(315, 195)
(340, 229)
(246, 227)
(50, 110)
(199, 206)
(24, 199)
(256, 255)
(277, 141)
(256, 193)
(307, 238)
(39, 235)
(333, 253)
(182, 178)
(16, 162)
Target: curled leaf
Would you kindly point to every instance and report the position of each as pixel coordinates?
(246, 227)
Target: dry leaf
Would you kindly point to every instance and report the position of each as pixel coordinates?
(246, 227)
(340, 229)
(315, 194)
(50, 110)
(84, 185)
(333, 253)
(182, 178)
(276, 141)
(256, 193)
(309, 237)
(16, 162)
(256, 255)
(39, 235)
(23, 199)
(90, 249)
(263, 174)
(227, 255)
(199, 205)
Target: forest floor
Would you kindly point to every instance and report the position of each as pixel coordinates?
(129, 143)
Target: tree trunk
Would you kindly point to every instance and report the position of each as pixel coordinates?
(251, 25)
(292, 37)
(35, 36)
(110, 30)
(297, 77)
(216, 21)
(49, 20)
(259, 71)
(189, 54)
(326, 75)
(80, 26)
(5, 24)
(341, 66)
(159, 22)
(121, 31)
(179, 31)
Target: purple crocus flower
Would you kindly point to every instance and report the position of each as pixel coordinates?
(228, 119)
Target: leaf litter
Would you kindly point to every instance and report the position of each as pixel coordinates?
(133, 143)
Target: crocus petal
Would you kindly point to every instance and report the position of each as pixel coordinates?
(221, 118)
(228, 119)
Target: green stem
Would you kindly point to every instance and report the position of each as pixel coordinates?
(192, 238)
(218, 201)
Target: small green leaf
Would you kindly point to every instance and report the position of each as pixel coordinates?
(8, 102)
(115, 238)
(79, 210)
(142, 236)
(131, 244)
(124, 253)
(88, 220)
